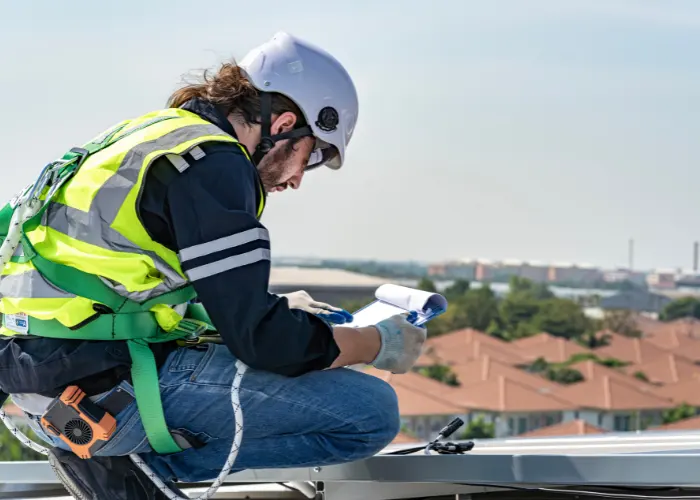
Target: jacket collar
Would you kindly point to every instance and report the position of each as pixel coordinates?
(210, 112)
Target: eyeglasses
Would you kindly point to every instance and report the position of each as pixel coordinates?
(322, 154)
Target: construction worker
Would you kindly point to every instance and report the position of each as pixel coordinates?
(172, 201)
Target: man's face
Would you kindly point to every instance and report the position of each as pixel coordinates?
(285, 164)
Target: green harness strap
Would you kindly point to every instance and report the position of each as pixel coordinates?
(125, 320)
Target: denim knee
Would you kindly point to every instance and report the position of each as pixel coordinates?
(381, 411)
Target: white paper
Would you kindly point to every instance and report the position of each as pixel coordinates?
(395, 299)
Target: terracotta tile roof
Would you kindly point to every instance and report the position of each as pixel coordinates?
(688, 327)
(570, 428)
(478, 349)
(415, 403)
(487, 368)
(687, 392)
(504, 394)
(647, 325)
(687, 424)
(500, 393)
(554, 350)
(607, 393)
(533, 340)
(461, 346)
(402, 438)
(419, 395)
(633, 350)
(428, 357)
(676, 341)
(592, 370)
(668, 368)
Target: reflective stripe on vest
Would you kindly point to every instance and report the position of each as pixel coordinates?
(93, 223)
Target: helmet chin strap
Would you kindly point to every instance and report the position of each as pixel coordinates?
(267, 141)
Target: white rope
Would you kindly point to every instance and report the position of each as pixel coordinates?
(233, 454)
(27, 207)
(21, 436)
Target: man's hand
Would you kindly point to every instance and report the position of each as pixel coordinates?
(304, 301)
(402, 343)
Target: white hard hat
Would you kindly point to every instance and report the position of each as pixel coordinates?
(317, 83)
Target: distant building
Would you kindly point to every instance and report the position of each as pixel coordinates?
(453, 270)
(688, 280)
(636, 300)
(622, 275)
(327, 285)
(581, 274)
(535, 271)
(662, 279)
(486, 270)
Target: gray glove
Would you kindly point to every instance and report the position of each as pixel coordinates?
(402, 343)
(304, 301)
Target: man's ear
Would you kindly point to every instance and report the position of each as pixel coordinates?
(283, 123)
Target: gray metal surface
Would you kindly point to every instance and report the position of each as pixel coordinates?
(631, 460)
(629, 470)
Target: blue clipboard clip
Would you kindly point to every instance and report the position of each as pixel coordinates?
(420, 320)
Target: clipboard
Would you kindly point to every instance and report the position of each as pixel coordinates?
(395, 299)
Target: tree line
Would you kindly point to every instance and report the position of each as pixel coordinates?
(527, 309)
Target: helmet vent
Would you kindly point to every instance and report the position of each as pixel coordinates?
(328, 119)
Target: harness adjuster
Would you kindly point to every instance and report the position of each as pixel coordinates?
(192, 327)
(81, 153)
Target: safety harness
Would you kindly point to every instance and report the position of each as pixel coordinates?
(116, 317)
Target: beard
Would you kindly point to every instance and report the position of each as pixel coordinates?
(274, 164)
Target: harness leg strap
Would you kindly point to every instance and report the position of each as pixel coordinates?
(144, 376)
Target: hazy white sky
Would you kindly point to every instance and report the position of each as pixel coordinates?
(537, 129)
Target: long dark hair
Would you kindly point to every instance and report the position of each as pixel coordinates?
(231, 90)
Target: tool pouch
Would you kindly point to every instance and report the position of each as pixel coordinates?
(98, 478)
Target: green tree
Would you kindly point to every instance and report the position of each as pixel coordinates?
(478, 429)
(641, 376)
(480, 308)
(539, 291)
(476, 308)
(516, 312)
(614, 363)
(441, 373)
(457, 289)
(556, 372)
(561, 318)
(540, 365)
(11, 450)
(585, 356)
(594, 338)
(426, 284)
(564, 375)
(685, 307)
(680, 412)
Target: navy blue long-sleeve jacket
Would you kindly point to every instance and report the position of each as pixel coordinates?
(208, 215)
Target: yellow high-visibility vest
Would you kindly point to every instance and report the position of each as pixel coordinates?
(93, 225)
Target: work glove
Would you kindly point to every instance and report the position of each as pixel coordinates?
(304, 301)
(402, 343)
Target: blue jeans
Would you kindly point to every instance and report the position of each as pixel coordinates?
(320, 418)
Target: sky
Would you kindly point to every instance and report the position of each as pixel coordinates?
(538, 130)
